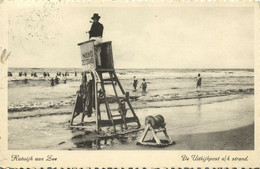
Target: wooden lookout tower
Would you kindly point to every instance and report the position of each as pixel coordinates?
(101, 95)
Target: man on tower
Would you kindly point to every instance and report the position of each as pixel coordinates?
(96, 33)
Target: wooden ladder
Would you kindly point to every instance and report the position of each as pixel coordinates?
(113, 80)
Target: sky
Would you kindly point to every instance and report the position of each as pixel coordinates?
(157, 37)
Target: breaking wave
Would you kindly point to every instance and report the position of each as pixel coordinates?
(31, 109)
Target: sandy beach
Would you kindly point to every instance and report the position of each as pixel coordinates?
(241, 138)
(84, 80)
(223, 125)
(219, 116)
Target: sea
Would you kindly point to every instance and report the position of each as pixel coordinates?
(36, 100)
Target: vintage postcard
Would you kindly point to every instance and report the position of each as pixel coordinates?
(129, 84)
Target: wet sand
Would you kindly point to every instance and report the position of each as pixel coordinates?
(236, 139)
(204, 125)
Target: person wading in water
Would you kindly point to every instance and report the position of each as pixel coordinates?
(198, 79)
(143, 86)
(135, 83)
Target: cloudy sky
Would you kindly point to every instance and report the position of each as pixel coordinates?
(207, 37)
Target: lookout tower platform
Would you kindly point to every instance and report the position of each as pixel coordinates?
(89, 61)
(110, 107)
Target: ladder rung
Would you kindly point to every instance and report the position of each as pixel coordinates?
(105, 80)
(116, 115)
(105, 70)
(109, 80)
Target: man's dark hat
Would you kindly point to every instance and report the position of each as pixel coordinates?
(95, 15)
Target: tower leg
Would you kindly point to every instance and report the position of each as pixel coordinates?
(114, 87)
(107, 105)
(73, 111)
(127, 100)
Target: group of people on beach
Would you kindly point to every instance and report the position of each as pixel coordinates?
(34, 74)
(46, 74)
(143, 85)
(56, 81)
(10, 74)
(64, 74)
(22, 73)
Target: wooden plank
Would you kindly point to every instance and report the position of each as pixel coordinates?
(106, 83)
(104, 123)
(104, 70)
(85, 42)
(118, 115)
(148, 144)
(109, 80)
(113, 99)
(119, 84)
(98, 114)
(84, 123)
(118, 101)
(159, 130)
(133, 112)
(106, 103)
(80, 127)
(73, 112)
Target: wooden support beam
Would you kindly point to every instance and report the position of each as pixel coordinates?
(107, 105)
(105, 123)
(73, 110)
(132, 109)
(119, 84)
(105, 70)
(106, 100)
(114, 87)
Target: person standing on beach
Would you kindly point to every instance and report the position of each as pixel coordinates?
(198, 79)
(135, 83)
(25, 80)
(57, 80)
(143, 86)
(96, 33)
(10, 74)
(52, 82)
